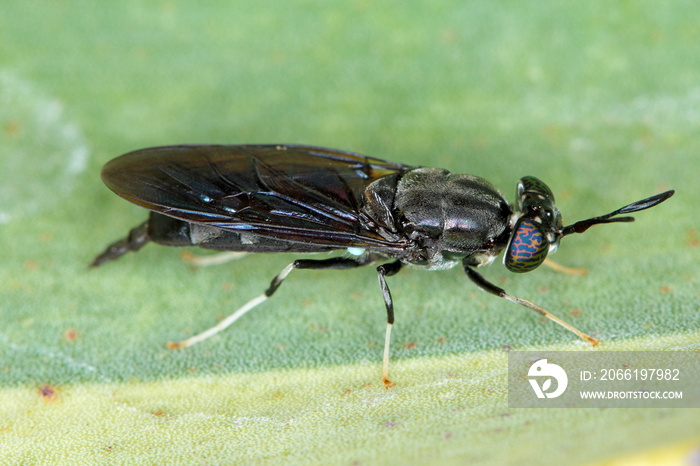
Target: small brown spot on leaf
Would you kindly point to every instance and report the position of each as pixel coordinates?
(49, 393)
(409, 345)
(575, 312)
(13, 128)
(448, 36)
(71, 334)
(665, 289)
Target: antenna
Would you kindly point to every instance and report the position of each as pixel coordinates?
(583, 225)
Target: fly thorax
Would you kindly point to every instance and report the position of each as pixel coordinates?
(450, 216)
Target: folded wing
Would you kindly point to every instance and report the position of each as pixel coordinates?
(298, 193)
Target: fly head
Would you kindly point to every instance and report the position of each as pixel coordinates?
(537, 229)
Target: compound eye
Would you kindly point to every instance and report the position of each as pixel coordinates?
(527, 248)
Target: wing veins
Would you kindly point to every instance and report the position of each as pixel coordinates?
(335, 210)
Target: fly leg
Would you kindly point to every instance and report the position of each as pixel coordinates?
(136, 239)
(387, 270)
(333, 263)
(557, 267)
(485, 285)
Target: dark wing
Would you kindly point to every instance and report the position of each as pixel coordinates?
(295, 193)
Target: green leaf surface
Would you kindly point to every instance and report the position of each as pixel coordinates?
(600, 100)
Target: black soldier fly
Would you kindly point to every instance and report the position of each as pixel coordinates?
(301, 199)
